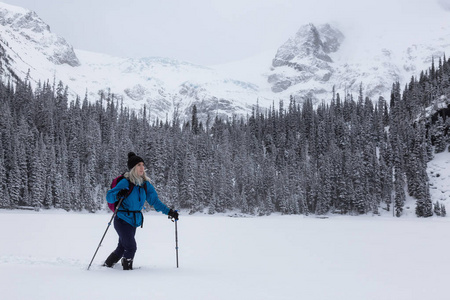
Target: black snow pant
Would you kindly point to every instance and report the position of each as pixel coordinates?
(127, 243)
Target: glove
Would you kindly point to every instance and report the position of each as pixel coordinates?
(173, 214)
(122, 194)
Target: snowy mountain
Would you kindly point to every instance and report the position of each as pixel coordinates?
(163, 84)
(320, 57)
(310, 63)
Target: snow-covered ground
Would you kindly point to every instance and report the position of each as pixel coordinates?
(44, 255)
(439, 175)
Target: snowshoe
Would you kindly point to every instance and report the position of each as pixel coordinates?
(111, 260)
(127, 263)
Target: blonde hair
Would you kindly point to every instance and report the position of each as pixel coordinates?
(135, 178)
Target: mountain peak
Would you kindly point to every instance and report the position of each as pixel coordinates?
(30, 30)
(20, 18)
(310, 42)
(307, 54)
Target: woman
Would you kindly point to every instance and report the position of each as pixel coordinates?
(129, 215)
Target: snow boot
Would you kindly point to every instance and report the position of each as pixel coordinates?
(111, 260)
(127, 263)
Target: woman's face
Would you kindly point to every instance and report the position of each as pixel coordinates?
(140, 169)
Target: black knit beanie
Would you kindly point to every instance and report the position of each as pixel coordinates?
(133, 160)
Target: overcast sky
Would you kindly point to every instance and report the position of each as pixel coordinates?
(210, 32)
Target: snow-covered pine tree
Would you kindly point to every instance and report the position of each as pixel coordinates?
(37, 175)
(437, 209)
(4, 194)
(440, 140)
(443, 210)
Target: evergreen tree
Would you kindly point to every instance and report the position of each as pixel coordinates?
(37, 178)
(14, 181)
(4, 194)
(195, 124)
(437, 209)
(439, 137)
(443, 211)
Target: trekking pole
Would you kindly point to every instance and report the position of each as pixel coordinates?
(109, 224)
(176, 239)
(176, 236)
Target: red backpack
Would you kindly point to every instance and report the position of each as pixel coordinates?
(115, 181)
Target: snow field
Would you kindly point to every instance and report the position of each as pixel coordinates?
(45, 255)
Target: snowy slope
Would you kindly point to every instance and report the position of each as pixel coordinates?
(439, 176)
(45, 256)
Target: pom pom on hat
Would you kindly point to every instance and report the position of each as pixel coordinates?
(133, 160)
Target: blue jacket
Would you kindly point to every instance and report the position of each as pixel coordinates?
(135, 201)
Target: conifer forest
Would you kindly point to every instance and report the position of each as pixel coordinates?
(349, 155)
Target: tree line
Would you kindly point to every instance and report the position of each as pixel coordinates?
(350, 155)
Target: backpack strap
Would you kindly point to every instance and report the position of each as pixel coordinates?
(130, 187)
(145, 188)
